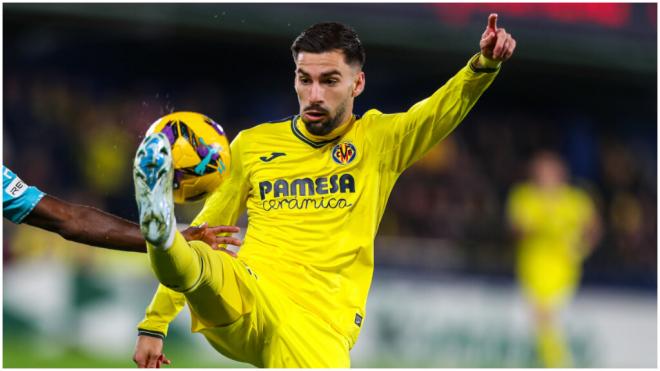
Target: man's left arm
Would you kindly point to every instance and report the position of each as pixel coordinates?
(414, 132)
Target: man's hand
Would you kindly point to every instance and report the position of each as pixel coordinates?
(210, 236)
(149, 352)
(496, 44)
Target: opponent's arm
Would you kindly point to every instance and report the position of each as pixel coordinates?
(408, 136)
(86, 225)
(22, 203)
(91, 226)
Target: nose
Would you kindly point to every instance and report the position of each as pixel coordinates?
(316, 93)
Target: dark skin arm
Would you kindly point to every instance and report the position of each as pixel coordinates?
(91, 226)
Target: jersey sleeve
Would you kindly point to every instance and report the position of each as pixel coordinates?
(164, 307)
(223, 207)
(228, 201)
(18, 199)
(403, 138)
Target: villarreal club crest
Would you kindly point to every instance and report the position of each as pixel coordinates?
(343, 153)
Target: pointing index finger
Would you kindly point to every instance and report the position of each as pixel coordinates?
(492, 22)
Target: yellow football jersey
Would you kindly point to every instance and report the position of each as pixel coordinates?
(314, 203)
(552, 228)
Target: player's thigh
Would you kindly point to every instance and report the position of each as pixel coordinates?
(304, 340)
(246, 338)
(225, 289)
(242, 340)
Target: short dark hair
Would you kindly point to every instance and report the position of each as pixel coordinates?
(329, 36)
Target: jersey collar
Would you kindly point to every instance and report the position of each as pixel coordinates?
(316, 141)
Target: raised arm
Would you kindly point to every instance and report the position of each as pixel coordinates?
(405, 137)
(496, 44)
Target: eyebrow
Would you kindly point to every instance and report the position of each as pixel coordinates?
(325, 74)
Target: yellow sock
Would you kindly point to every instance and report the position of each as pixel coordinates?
(211, 287)
(177, 267)
(552, 347)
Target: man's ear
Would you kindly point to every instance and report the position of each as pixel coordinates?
(358, 85)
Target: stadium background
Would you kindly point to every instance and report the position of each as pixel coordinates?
(82, 82)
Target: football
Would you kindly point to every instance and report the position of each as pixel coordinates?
(200, 154)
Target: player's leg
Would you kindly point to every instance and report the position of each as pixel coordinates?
(550, 341)
(303, 340)
(173, 262)
(185, 268)
(222, 293)
(547, 298)
(548, 284)
(274, 331)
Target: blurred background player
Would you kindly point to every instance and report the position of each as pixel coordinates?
(557, 227)
(22, 203)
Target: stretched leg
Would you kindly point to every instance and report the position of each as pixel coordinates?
(194, 269)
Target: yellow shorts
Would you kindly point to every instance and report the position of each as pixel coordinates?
(271, 330)
(548, 280)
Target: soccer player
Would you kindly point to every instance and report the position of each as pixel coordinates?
(315, 187)
(22, 203)
(557, 227)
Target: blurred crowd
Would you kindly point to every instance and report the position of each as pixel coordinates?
(77, 142)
